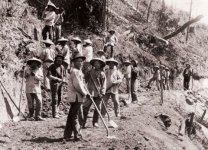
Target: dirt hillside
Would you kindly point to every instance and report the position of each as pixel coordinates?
(141, 126)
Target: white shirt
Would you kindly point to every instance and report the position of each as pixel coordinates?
(88, 53)
(33, 83)
(49, 18)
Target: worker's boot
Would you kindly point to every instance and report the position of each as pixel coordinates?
(31, 112)
(54, 112)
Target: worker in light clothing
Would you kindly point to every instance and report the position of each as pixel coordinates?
(110, 41)
(77, 45)
(162, 76)
(114, 78)
(58, 23)
(63, 49)
(34, 77)
(167, 78)
(49, 16)
(76, 95)
(187, 73)
(47, 56)
(127, 74)
(96, 84)
(57, 75)
(156, 76)
(88, 53)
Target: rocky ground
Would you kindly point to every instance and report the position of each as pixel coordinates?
(140, 127)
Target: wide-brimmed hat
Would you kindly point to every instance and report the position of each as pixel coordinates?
(156, 67)
(48, 41)
(59, 56)
(77, 56)
(112, 31)
(88, 41)
(76, 39)
(166, 68)
(51, 4)
(127, 62)
(97, 59)
(162, 66)
(101, 51)
(38, 61)
(111, 60)
(62, 39)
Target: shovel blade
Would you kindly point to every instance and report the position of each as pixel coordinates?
(113, 124)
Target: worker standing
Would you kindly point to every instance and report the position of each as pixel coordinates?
(167, 78)
(47, 56)
(34, 77)
(110, 41)
(134, 81)
(114, 78)
(57, 76)
(96, 84)
(63, 49)
(77, 45)
(59, 19)
(156, 76)
(49, 16)
(187, 73)
(88, 53)
(76, 96)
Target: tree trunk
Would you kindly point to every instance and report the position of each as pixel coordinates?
(187, 34)
(149, 9)
(198, 18)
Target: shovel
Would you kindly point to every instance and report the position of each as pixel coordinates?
(15, 119)
(111, 122)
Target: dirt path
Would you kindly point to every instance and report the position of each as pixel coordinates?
(138, 129)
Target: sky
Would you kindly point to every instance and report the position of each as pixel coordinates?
(199, 7)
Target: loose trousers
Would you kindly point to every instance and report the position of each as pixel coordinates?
(115, 100)
(134, 88)
(56, 93)
(33, 98)
(74, 119)
(86, 107)
(186, 82)
(49, 30)
(111, 48)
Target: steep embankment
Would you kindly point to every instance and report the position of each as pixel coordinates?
(11, 41)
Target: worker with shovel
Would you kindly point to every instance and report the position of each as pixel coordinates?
(76, 95)
(34, 77)
(96, 84)
(56, 74)
(114, 78)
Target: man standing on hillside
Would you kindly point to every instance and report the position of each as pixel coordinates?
(156, 76)
(88, 53)
(47, 56)
(96, 83)
(134, 81)
(76, 95)
(56, 74)
(110, 41)
(63, 49)
(34, 77)
(49, 16)
(187, 73)
(114, 78)
(58, 23)
(76, 45)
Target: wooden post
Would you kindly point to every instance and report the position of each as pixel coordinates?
(161, 87)
(187, 34)
(191, 124)
(149, 9)
(204, 113)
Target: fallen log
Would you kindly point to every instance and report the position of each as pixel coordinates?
(183, 27)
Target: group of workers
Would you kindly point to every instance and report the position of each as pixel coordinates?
(88, 78)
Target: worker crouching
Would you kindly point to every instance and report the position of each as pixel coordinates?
(76, 95)
(34, 77)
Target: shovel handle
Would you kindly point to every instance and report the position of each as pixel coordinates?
(11, 99)
(107, 130)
